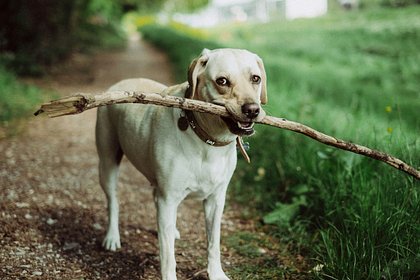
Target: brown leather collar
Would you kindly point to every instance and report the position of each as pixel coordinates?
(201, 133)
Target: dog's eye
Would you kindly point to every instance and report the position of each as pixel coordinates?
(256, 79)
(222, 81)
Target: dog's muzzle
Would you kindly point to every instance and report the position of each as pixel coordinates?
(250, 112)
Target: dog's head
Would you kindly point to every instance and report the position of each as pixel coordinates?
(235, 79)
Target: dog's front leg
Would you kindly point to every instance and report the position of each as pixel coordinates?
(213, 207)
(166, 212)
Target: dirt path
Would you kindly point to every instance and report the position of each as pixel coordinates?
(52, 210)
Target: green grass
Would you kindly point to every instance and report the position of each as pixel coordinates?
(355, 76)
(16, 99)
(266, 263)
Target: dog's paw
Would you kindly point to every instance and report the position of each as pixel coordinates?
(177, 234)
(112, 242)
(219, 275)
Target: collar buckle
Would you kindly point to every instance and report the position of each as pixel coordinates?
(210, 142)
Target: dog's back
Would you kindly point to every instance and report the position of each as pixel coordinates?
(117, 124)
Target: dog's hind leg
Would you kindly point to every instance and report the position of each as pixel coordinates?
(110, 155)
(108, 174)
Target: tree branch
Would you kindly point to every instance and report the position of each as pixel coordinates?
(80, 102)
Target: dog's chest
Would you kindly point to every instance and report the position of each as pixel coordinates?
(209, 172)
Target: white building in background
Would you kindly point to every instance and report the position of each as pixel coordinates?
(225, 11)
(305, 8)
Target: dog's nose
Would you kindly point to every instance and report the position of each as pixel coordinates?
(251, 110)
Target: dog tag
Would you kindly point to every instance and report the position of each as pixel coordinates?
(183, 123)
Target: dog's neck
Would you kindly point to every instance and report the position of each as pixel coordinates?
(209, 128)
(215, 127)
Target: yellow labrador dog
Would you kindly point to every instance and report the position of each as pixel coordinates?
(183, 154)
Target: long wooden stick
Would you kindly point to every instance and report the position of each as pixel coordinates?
(80, 102)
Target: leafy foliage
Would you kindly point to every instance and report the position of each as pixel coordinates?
(189, 44)
(399, 3)
(388, 3)
(36, 33)
(188, 5)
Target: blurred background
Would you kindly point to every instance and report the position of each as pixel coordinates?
(348, 68)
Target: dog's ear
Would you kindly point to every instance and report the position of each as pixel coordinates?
(196, 67)
(263, 97)
(205, 51)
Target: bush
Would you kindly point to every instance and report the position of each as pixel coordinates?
(180, 46)
(42, 32)
(16, 100)
(399, 3)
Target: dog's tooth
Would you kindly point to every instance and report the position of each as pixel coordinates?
(245, 126)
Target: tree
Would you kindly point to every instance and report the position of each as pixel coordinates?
(41, 32)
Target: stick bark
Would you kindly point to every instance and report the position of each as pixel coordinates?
(81, 102)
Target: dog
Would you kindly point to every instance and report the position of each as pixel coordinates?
(183, 153)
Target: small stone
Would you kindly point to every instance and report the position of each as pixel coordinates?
(51, 221)
(262, 250)
(97, 226)
(9, 153)
(20, 252)
(37, 273)
(70, 246)
(11, 195)
(25, 266)
(22, 205)
(318, 268)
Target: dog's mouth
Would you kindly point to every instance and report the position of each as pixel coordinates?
(238, 127)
